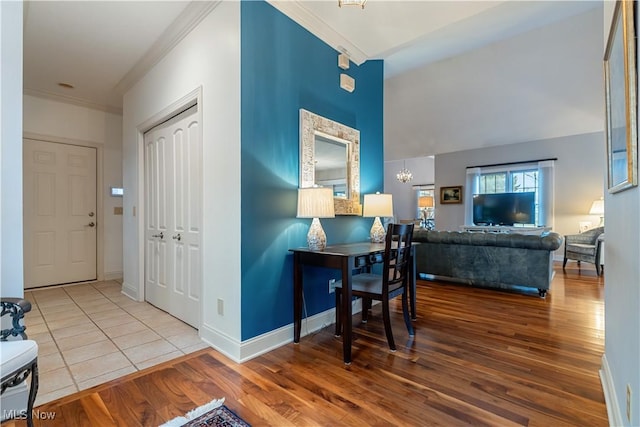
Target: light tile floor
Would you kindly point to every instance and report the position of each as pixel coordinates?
(91, 333)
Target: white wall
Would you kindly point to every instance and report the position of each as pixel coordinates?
(404, 196)
(578, 176)
(209, 57)
(541, 84)
(54, 121)
(11, 270)
(621, 363)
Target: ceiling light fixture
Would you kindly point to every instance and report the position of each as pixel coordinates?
(351, 3)
(404, 175)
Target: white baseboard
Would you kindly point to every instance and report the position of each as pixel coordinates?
(223, 343)
(113, 275)
(610, 398)
(130, 290)
(242, 351)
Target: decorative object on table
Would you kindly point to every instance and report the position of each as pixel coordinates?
(212, 414)
(383, 287)
(377, 205)
(585, 247)
(584, 226)
(621, 99)
(425, 203)
(597, 208)
(405, 174)
(316, 203)
(451, 195)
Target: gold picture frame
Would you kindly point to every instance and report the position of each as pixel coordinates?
(451, 195)
(621, 100)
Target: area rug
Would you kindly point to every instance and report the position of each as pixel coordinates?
(213, 413)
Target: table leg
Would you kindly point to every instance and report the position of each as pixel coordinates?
(412, 284)
(297, 297)
(347, 315)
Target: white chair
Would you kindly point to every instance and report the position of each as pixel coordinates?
(18, 361)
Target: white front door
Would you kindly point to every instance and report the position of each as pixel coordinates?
(173, 180)
(60, 218)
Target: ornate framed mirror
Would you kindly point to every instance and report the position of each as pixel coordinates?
(330, 157)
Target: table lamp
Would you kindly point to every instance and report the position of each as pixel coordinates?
(425, 203)
(377, 205)
(316, 203)
(597, 208)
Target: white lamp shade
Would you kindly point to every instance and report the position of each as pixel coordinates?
(425, 202)
(378, 205)
(315, 202)
(597, 207)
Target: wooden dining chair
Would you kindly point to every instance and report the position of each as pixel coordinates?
(384, 287)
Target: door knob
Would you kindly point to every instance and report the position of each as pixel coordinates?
(177, 237)
(91, 214)
(91, 224)
(161, 235)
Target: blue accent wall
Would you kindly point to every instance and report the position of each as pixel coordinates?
(285, 68)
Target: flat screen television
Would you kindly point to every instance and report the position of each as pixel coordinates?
(504, 208)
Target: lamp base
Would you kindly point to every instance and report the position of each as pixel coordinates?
(377, 233)
(316, 238)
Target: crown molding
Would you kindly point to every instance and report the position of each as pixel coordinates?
(294, 10)
(71, 100)
(190, 17)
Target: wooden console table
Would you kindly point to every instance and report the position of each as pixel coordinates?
(347, 258)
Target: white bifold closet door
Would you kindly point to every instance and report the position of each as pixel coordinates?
(173, 216)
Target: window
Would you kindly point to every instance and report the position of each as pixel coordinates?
(492, 183)
(426, 214)
(534, 177)
(508, 182)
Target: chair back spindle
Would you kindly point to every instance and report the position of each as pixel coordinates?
(397, 256)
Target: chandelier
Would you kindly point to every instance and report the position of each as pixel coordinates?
(351, 3)
(404, 175)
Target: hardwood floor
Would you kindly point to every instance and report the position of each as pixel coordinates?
(480, 357)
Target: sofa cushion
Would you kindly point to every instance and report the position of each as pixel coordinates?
(549, 241)
(17, 354)
(581, 248)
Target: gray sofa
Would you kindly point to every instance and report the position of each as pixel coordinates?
(498, 260)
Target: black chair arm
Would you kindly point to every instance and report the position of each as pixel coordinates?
(16, 308)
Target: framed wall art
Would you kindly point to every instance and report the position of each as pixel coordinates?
(621, 100)
(450, 195)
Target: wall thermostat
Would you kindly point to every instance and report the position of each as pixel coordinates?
(117, 191)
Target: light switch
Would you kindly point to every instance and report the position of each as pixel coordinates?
(117, 210)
